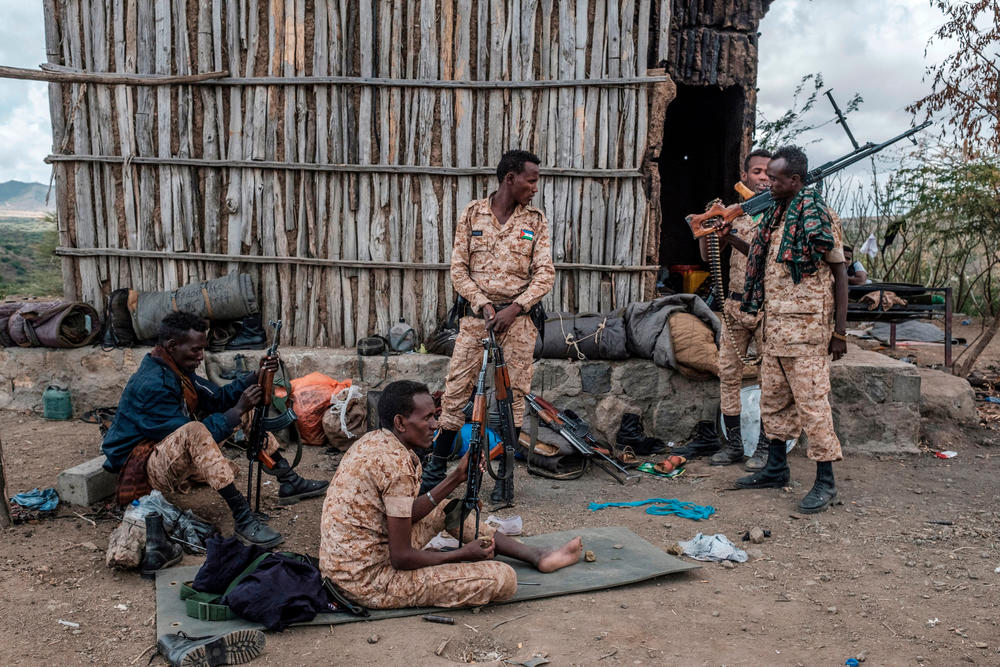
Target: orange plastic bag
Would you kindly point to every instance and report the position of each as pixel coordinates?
(313, 394)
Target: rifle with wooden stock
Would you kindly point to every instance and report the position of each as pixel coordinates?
(474, 477)
(256, 438)
(718, 216)
(563, 424)
(508, 432)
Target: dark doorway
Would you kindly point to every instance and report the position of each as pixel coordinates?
(702, 133)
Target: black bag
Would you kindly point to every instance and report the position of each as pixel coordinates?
(369, 347)
(372, 345)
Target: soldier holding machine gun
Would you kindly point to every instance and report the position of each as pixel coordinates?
(796, 275)
(375, 521)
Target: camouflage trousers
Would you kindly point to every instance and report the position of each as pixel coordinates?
(795, 397)
(731, 368)
(518, 345)
(450, 585)
(191, 456)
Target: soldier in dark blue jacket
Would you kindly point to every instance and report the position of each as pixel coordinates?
(170, 422)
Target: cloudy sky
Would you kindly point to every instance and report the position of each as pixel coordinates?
(872, 47)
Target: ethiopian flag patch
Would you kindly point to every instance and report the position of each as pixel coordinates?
(527, 235)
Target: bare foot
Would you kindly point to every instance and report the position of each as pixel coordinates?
(555, 559)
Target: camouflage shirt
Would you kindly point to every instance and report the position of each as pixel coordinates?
(798, 319)
(494, 263)
(377, 478)
(744, 227)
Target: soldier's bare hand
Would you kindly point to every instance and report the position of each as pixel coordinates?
(505, 318)
(475, 551)
(269, 364)
(250, 397)
(838, 348)
(489, 313)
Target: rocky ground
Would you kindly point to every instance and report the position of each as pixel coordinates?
(901, 573)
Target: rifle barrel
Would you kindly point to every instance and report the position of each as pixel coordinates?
(869, 149)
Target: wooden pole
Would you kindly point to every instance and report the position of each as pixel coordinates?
(57, 74)
(6, 520)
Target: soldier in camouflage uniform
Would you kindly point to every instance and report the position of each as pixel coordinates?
(170, 421)
(796, 272)
(735, 340)
(501, 263)
(375, 523)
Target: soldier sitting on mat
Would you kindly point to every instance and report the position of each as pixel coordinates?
(374, 523)
(170, 422)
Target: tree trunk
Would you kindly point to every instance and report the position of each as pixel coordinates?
(965, 363)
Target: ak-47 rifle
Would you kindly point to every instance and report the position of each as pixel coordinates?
(562, 424)
(718, 215)
(474, 478)
(508, 432)
(256, 438)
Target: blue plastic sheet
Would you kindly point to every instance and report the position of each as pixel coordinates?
(44, 500)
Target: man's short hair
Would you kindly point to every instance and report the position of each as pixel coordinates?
(760, 152)
(848, 248)
(513, 161)
(795, 159)
(175, 326)
(397, 399)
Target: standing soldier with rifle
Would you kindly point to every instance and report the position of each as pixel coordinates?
(501, 264)
(170, 422)
(796, 274)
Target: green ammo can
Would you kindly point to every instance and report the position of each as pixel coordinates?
(56, 403)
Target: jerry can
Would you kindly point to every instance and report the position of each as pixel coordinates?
(56, 403)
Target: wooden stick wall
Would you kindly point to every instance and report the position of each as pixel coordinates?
(599, 213)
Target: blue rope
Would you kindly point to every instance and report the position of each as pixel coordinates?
(664, 507)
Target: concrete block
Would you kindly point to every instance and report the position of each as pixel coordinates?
(86, 483)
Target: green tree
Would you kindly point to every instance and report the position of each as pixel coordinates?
(953, 210)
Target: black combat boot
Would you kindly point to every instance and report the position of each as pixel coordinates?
(247, 526)
(775, 473)
(631, 434)
(160, 552)
(733, 452)
(824, 490)
(294, 487)
(704, 442)
(250, 335)
(232, 648)
(759, 458)
(437, 461)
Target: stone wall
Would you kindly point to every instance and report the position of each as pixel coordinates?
(876, 399)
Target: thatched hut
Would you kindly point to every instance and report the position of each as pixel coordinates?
(327, 147)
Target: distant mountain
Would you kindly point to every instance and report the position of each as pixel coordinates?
(27, 197)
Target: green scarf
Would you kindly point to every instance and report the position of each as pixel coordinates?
(807, 237)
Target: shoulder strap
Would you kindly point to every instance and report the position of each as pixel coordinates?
(205, 606)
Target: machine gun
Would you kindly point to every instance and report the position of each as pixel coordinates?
(567, 426)
(718, 216)
(258, 427)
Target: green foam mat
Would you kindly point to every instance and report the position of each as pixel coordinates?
(622, 558)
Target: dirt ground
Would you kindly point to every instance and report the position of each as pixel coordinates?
(901, 573)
